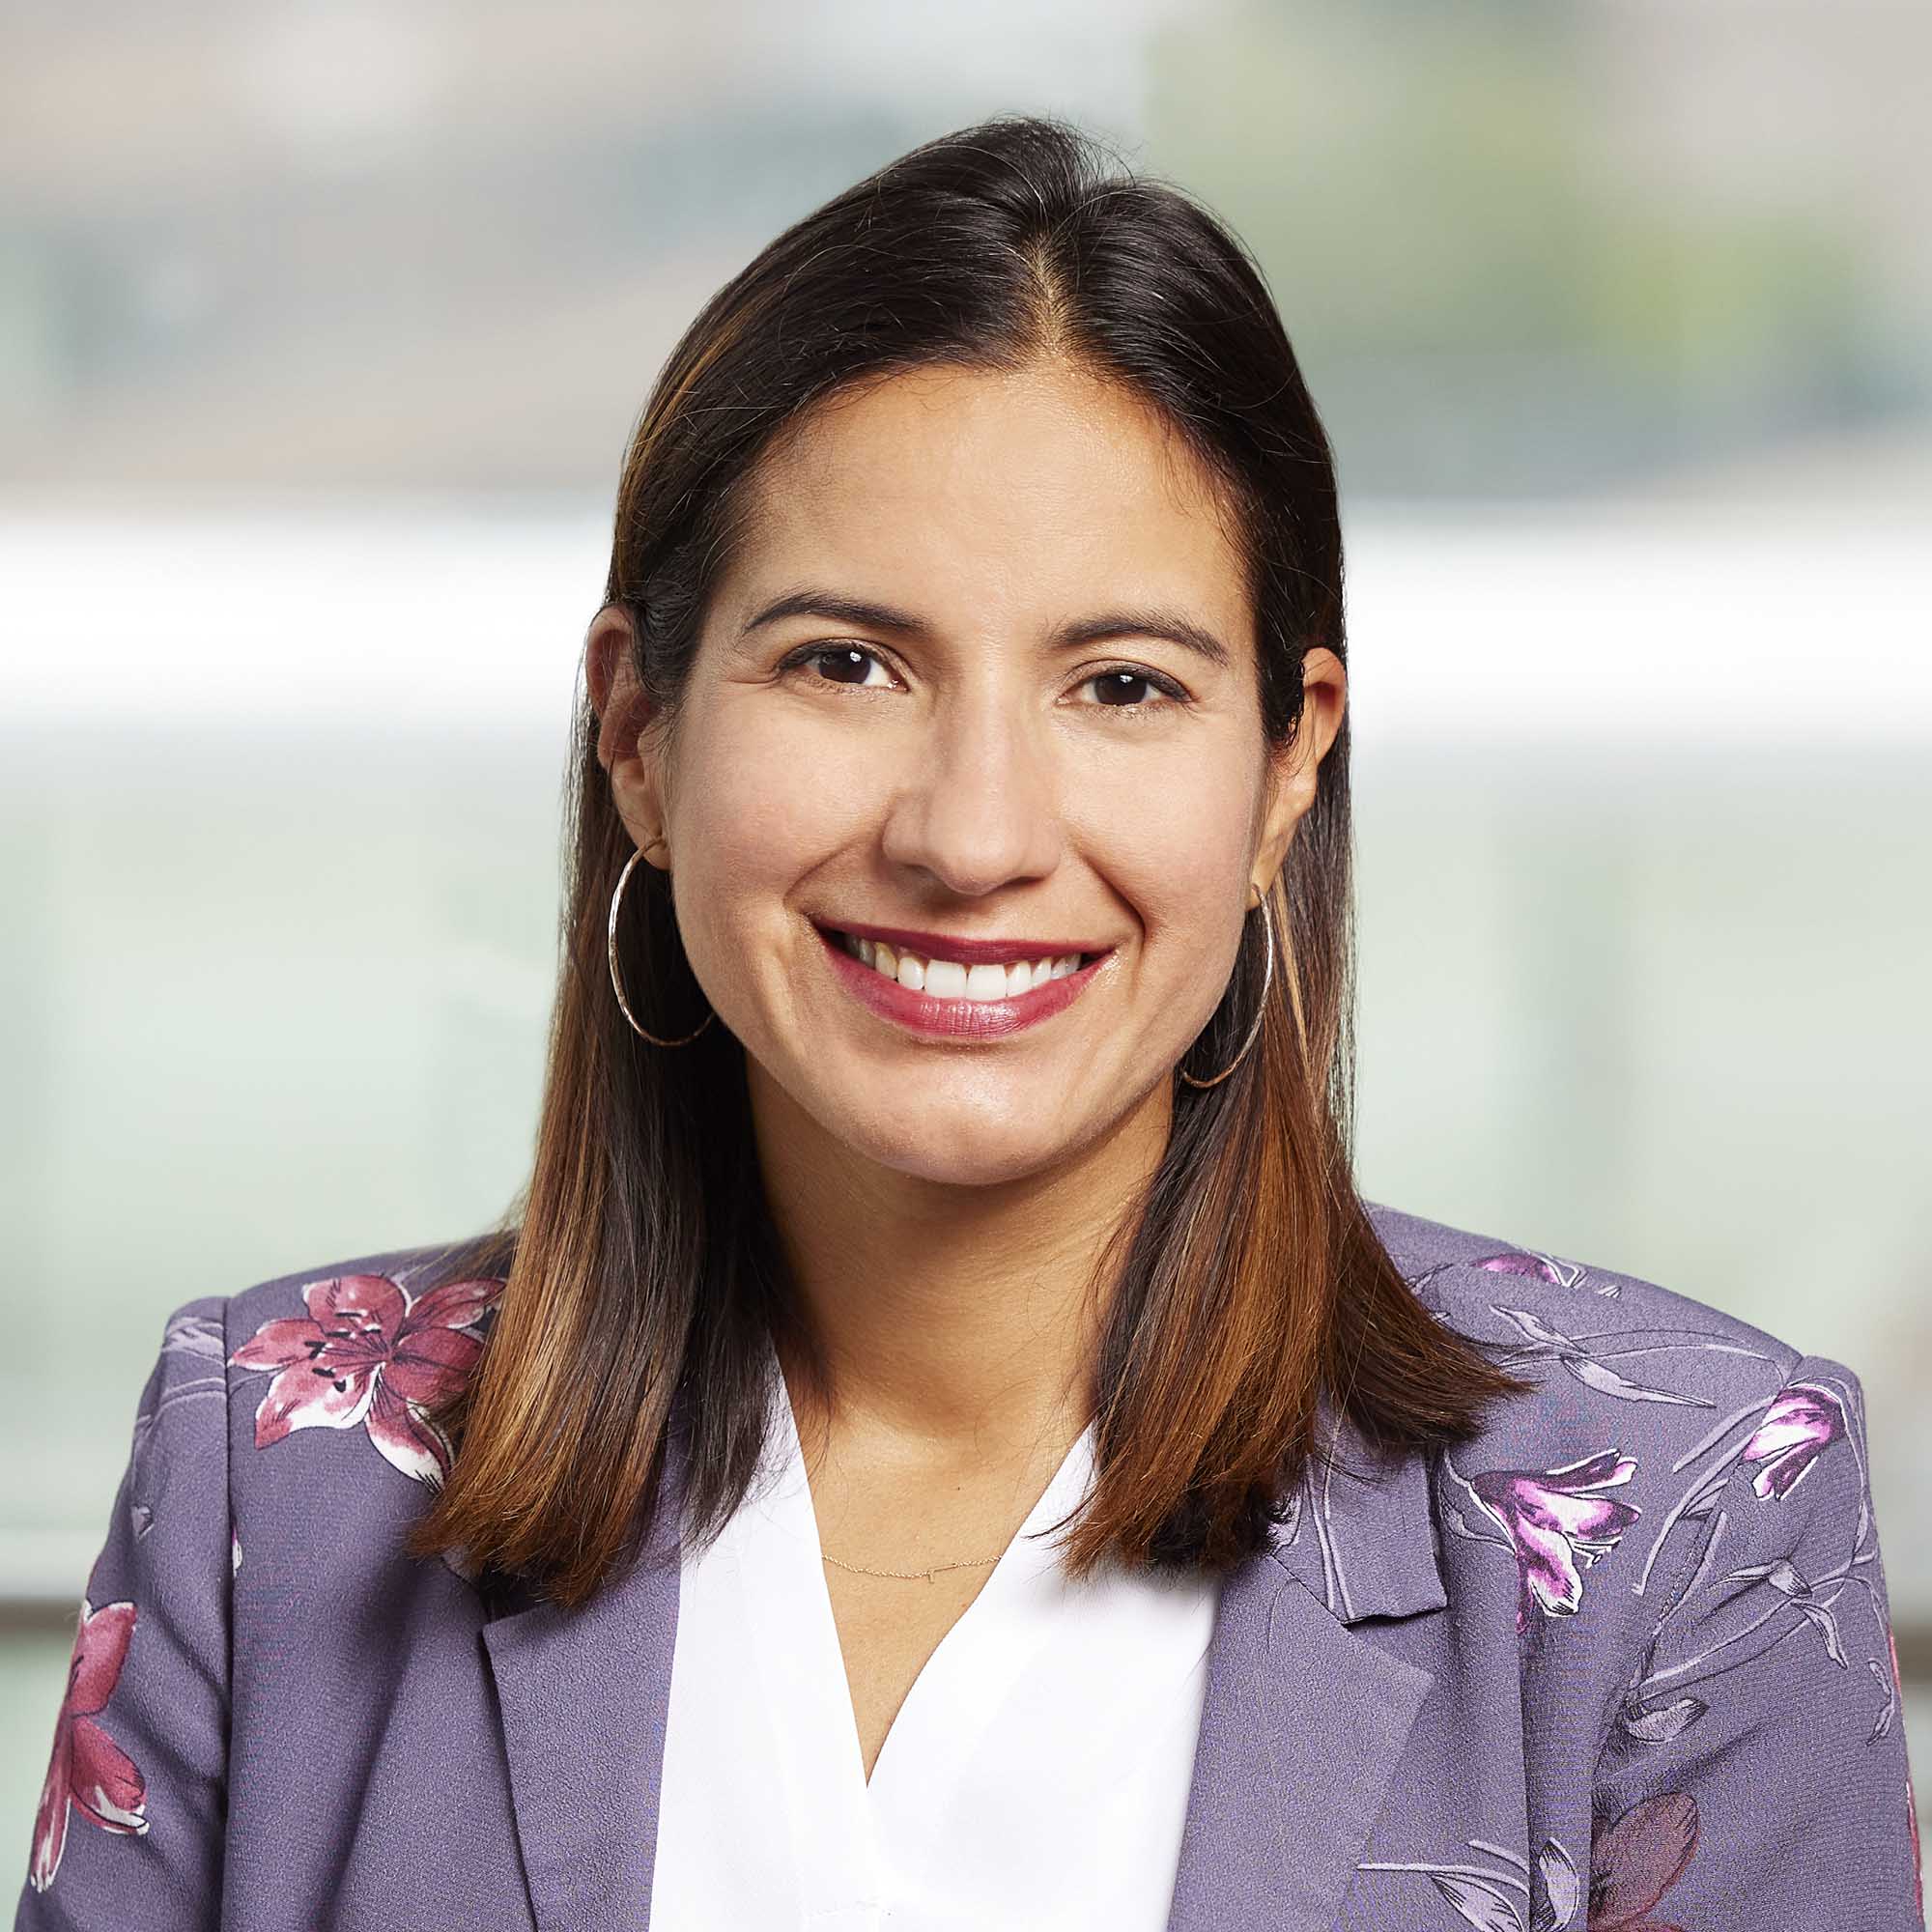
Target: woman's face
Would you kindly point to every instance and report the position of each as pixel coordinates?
(1001, 746)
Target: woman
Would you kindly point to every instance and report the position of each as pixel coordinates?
(945, 1144)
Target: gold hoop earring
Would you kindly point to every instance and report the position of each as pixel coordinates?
(616, 979)
(1261, 1011)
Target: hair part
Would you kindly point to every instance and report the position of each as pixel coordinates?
(642, 1265)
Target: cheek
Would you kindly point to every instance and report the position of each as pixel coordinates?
(750, 822)
(760, 796)
(1176, 848)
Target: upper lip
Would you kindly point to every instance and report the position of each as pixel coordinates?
(968, 952)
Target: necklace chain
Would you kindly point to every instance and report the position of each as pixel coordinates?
(914, 1575)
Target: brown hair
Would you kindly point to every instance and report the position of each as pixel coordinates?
(640, 1260)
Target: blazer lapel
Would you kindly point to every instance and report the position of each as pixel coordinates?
(1305, 1719)
(584, 1696)
(1303, 1724)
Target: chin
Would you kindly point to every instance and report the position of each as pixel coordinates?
(955, 1150)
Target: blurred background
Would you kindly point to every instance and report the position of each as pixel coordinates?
(323, 329)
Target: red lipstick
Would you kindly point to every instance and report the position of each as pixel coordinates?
(957, 1019)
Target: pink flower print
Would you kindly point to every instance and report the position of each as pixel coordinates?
(1530, 1262)
(367, 1354)
(1800, 1424)
(88, 1769)
(1638, 1859)
(1558, 1519)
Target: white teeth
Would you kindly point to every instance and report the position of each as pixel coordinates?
(945, 980)
(950, 980)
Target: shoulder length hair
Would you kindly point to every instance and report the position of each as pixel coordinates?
(641, 1262)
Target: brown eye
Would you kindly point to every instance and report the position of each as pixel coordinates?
(1125, 687)
(837, 664)
(1122, 687)
(843, 665)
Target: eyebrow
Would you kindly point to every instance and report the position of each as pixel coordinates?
(1139, 621)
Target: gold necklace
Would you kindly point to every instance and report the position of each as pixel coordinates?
(914, 1575)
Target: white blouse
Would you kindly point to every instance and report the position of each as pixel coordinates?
(1036, 1775)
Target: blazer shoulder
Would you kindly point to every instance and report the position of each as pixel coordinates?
(354, 1357)
(1609, 1353)
(286, 1294)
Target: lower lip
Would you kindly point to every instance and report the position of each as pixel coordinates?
(957, 1019)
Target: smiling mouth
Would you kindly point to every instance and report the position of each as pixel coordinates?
(942, 979)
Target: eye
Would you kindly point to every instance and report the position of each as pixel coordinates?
(1121, 686)
(841, 663)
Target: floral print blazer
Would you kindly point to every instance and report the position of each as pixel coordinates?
(1622, 1664)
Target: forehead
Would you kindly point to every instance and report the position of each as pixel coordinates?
(1000, 492)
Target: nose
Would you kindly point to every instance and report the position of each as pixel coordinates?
(978, 806)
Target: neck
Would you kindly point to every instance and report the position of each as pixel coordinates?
(955, 1320)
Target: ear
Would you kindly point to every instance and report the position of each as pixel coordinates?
(1295, 767)
(622, 713)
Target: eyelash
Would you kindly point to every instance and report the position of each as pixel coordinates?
(1175, 693)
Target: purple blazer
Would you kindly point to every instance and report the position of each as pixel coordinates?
(1623, 1661)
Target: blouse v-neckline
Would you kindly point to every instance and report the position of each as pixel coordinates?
(947, 1708)
(1021, 1710)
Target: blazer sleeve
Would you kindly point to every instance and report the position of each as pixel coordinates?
(128, 1830)
(1754, 1772)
